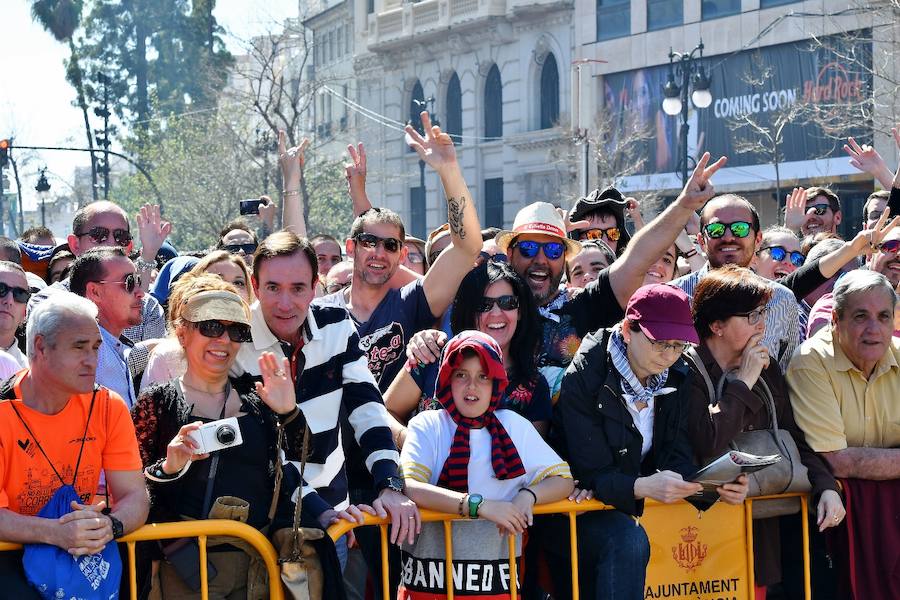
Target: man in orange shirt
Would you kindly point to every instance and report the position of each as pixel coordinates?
(57, 429)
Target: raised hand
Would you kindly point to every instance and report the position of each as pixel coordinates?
(152, 230)
(878, 232)
(292, 160)
(570, 224)
(633, 208)
(864, 157)
(895, 131)
(698, 190)
(795, 209)
(425, 346)
(267, 212)
(277, 388)
(436, 148)
(356, 170)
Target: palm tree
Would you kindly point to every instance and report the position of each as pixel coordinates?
(61, 18)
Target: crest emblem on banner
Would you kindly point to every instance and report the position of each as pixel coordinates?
(690, 552)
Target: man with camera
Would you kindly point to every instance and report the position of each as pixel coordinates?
(58, 428)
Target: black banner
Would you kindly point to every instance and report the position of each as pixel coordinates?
(759, 84)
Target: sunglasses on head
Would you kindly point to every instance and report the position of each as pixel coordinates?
(122, 237)
(370, 241)
(739, 229)
(236, 248)
(779, 253)
(131, 281)
(507, 302)
(529, 249)
(488, 257)
(889, 247)
(612, 234)
(820, 209)
(20, 295)
(237, 332)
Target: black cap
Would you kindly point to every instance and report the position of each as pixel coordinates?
(608, 198)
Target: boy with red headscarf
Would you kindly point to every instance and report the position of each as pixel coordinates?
(485, 464)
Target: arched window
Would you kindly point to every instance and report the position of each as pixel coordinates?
(416, 106)
(549, 92)
(493, 104)
(454, 109)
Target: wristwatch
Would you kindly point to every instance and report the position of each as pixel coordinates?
(118, 530)
(144, 265)
(475, 502)
(392, 483)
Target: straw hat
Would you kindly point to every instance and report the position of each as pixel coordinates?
(538, 218)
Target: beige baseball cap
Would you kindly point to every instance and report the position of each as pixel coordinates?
(538, 217)
(216, 305)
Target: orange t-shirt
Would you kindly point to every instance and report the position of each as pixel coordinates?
(26, 479)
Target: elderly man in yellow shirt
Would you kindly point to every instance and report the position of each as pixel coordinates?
(845, 382)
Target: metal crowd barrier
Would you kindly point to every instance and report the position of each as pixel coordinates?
(571, 510)
(201, 530)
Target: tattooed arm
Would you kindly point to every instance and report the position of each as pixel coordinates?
(443, 278)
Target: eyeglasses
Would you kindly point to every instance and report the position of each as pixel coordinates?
(20, 295)
(507, 302)
(612, 234)
(663, 347)
(131, 281)
(779, 253)
(497, 258)
(739, 229)
(820, 209)
(237, 332)
(336, 287)
(529, 249)
(122, 237)
(754, 316)
(370, 241)
(237, 248)
(415, 258)
(889, 246)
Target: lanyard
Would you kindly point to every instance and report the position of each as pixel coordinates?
(80, 450)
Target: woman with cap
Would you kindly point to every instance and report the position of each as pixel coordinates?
(474, 459)
(621, 422)
(229, 481)
(729, 316)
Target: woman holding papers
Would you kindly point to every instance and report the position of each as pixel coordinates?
(729, 315)
(621, 422)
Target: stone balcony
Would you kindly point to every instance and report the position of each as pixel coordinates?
(400, 22)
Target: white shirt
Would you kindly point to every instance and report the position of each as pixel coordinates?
(17, 355)
(643, 420)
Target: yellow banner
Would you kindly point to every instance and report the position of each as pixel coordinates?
(696, 557)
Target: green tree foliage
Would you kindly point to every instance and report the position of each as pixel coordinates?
(329, 203)
(202, 171)
(163, 57)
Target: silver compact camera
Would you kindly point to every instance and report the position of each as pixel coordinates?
(217, 435)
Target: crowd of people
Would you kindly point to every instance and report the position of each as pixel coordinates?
(581, 354)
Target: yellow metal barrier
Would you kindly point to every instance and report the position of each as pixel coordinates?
(201, 530)
(571, 510)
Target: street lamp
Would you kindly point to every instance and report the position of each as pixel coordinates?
(42, 187)
(675, 95)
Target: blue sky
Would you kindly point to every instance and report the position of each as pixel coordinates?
(36, 102)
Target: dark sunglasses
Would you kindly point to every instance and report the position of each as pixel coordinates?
(529, 249)
(890, 246)
(237, 332)
(236, 248)
(507, 302)
(739, 229)
(612, 234)
(370, 241)
(779, 253)
(122, 237)
(131, 281)
(820, 209)
(20, 295)
(497, 258)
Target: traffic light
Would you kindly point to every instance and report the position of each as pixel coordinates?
(4, 153)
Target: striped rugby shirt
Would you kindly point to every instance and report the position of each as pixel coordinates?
(335, 374)
(782, 322)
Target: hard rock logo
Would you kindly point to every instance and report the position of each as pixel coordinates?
(690, 552)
